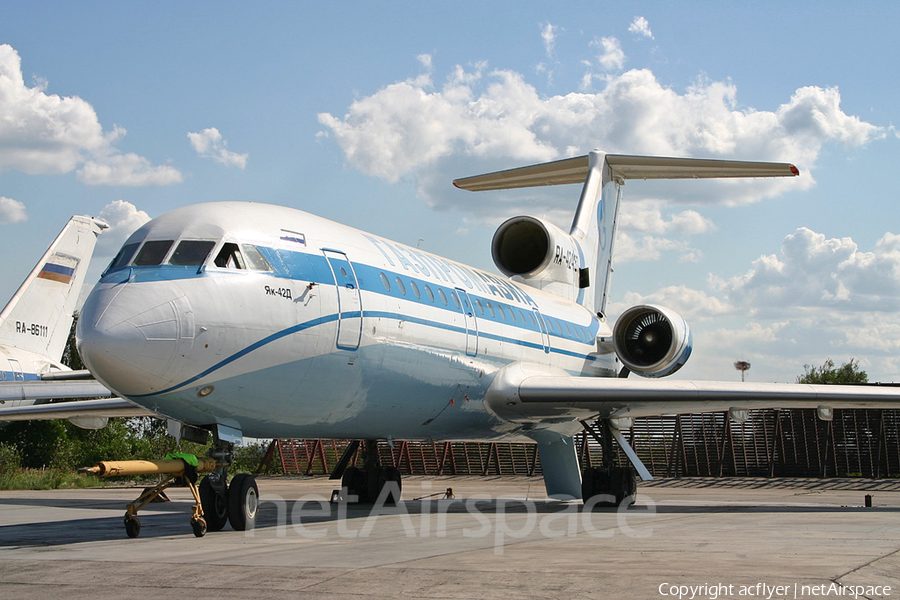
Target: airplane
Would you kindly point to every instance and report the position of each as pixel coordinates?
(248, 319)
(34, 328)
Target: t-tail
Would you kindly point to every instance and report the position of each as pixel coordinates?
(578, 264)
(39, 315)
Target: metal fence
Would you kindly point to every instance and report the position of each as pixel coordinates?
(771, 443)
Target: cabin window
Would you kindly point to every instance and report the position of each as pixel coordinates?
(429, 293)
(400, 286)
(124, 256)
(415, 289)
(230, 257)
(533, 322)
(443, 296)
(191, 253)
(385, 282)
(501, 312)
(480, 307)
(255, 259)
(153, 253)
(456, 300)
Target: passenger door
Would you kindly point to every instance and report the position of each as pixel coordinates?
(349, 322)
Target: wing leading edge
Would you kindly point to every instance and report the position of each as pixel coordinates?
(525, 394)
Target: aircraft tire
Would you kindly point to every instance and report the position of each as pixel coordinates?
(132, 527)
(355, 482)
(389, 475)
(588, 483)
(215, 506)
(199, 526)
(243, 502)
(623, 484)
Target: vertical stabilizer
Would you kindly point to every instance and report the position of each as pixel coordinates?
(39, 315)
(594, 228)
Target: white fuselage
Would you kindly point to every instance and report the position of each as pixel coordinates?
(335, 334)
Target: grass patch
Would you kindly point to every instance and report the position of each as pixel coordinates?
(46, 479)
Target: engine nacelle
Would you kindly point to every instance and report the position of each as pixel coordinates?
(652, 341)
(538, 252)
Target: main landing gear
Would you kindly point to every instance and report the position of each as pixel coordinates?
(370, 484)
(609, 485)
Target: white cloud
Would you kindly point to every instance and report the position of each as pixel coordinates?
(641, 27)
(482, 120)
(647, 217)
(127, 169)
(817, 298)
(12, 211)
(612, 57)
(548, 34)
(425, 60)
(43, 134)
(641, 224)
(631, 248)
(123, 219)
(815, 272)
(694, 305)
(209, 143)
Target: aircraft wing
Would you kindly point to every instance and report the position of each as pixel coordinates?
(103, 407)
(77, 395)
(52, 390)
(520, 396)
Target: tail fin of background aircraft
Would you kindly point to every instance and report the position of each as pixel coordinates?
(603, 175)
(39, 315)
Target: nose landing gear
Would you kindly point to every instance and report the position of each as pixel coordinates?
(215, 502)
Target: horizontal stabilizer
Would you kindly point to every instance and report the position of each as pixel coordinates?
(569, 170)
(624, 166)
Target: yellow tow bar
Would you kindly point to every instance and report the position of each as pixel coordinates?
(174, 468)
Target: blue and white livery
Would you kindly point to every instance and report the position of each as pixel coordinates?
(265, 321)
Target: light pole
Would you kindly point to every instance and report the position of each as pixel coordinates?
(742, 365)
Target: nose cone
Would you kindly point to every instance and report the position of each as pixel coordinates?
(130, 334)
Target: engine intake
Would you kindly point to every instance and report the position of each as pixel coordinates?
(537, 251)
(652, 341)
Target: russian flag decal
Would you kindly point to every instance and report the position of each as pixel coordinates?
(55, 272)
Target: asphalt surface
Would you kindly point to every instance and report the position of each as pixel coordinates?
(499, 538)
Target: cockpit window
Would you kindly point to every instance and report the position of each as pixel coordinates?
(230, 257)
(191, 253)
(153, 253)
(255, 260)
(124, 256)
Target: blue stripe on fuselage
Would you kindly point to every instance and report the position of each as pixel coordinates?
(304, 266)
(307, 267)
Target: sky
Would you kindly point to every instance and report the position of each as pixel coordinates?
(364, 112)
